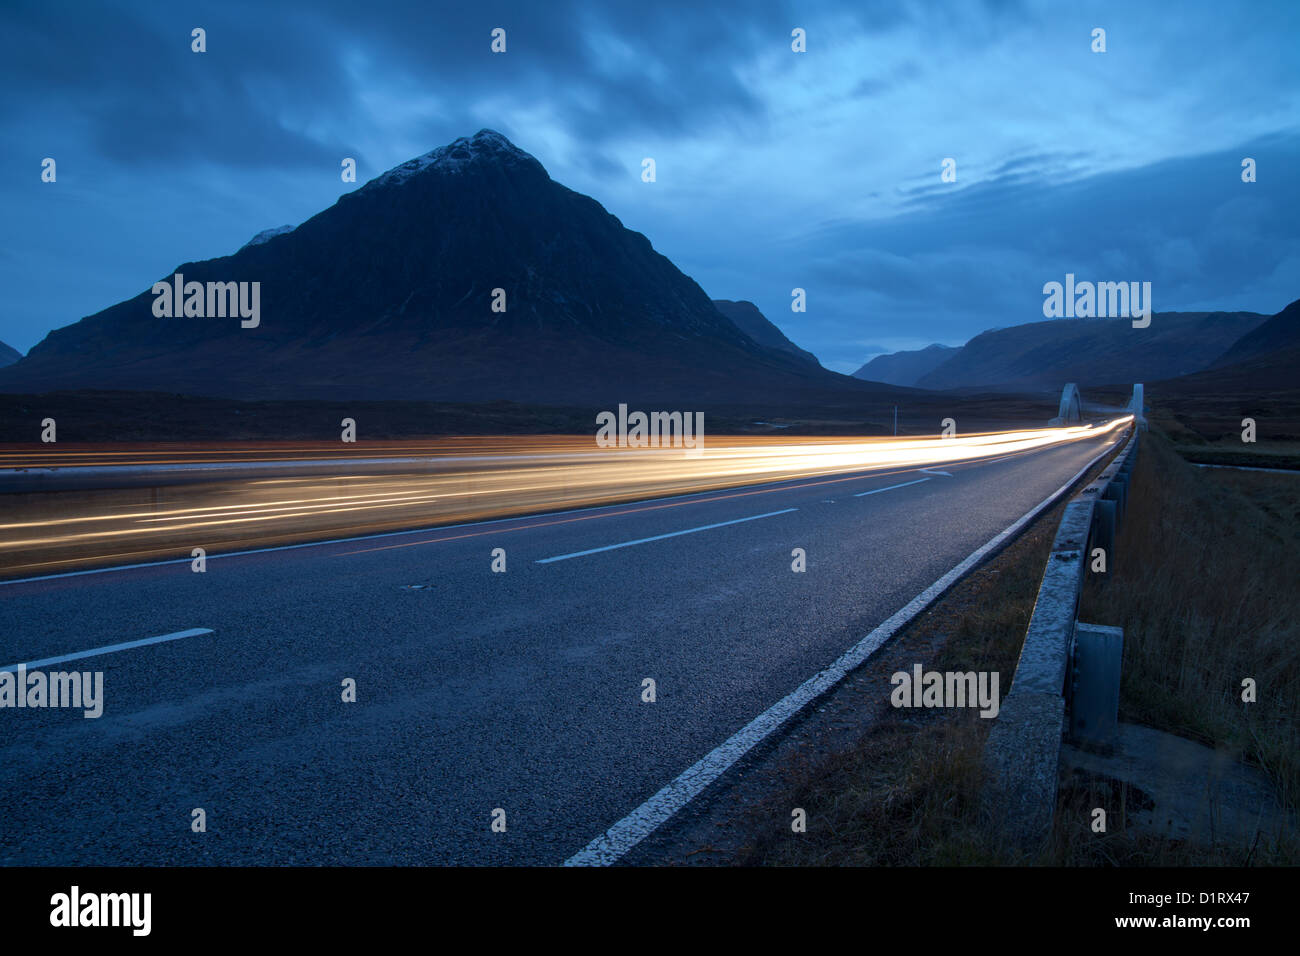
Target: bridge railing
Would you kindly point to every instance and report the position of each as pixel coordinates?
(1062, 663)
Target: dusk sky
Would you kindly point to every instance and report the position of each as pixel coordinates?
(775, 169)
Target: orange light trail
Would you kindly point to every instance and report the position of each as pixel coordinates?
(449, 482)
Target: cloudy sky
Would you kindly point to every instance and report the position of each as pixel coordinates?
(775, 169)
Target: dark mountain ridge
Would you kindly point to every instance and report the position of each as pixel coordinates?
(1266, 359)
(388, 294)
(1276, 334)
(1050, 353)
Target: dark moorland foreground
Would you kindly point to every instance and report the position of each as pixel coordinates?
(112, 416)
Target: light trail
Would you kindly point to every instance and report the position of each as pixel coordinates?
(60, 530)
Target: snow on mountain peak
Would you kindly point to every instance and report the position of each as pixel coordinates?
(486, 143)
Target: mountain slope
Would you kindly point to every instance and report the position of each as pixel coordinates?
(389, 294)
(1276, 334)
(906, 367)
(8, 355)
(760, 328)
(1267, 360)
(1092, 351)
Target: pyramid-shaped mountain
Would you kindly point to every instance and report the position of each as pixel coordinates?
(389, 294)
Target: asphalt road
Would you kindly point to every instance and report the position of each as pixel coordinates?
(475, 691)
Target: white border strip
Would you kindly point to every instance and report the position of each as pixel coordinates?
(111, 648)
(615, 842)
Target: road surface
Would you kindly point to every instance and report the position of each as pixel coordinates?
(476, 690)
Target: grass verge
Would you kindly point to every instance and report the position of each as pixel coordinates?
(1204, 588)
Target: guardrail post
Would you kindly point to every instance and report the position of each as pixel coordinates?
(1094, 686)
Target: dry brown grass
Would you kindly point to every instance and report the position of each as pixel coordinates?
(906, 795)
(1205, 589)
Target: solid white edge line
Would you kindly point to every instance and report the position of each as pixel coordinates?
(615, 842)
(110, 649)
(660, 537)
(876, 491)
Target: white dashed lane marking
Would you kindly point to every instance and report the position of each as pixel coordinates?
(660, 537)
(110, 649)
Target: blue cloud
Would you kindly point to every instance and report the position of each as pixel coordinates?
(776, 170)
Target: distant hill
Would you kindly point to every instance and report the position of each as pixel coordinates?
(1276, 334)
(8, 355)
(907, 367)
(1092, 351)
(760, 328)
(390, 294)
